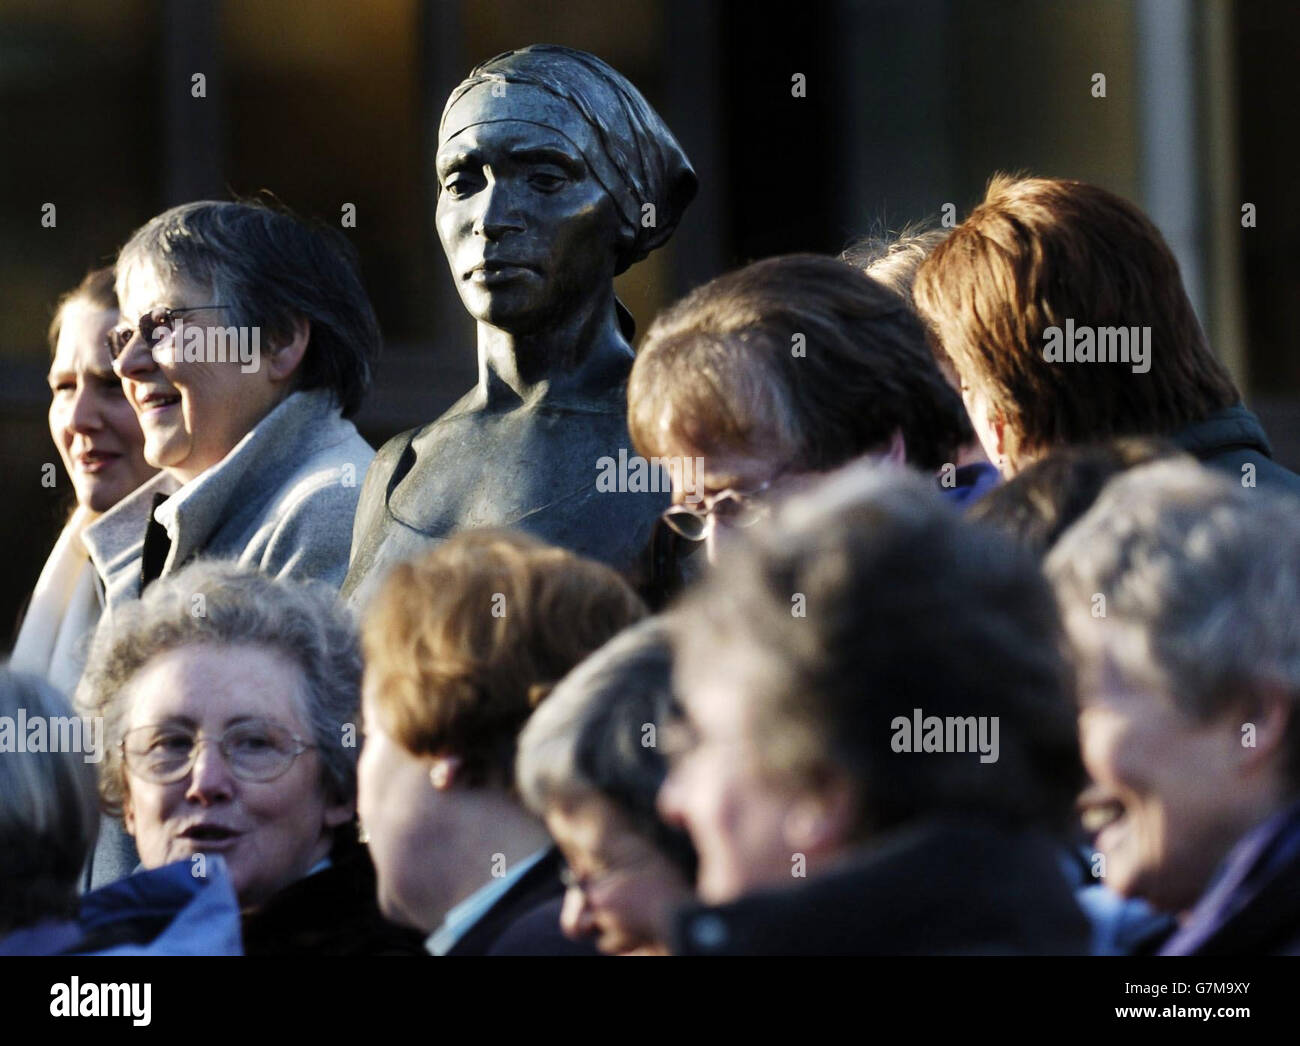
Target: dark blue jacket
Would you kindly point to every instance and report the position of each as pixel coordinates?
(1232, 438)
(164, 911)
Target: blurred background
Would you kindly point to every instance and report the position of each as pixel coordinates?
(909, 105)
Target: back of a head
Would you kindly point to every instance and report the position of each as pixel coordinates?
(596, 734)
(869, 600)
(1038, 504)
(49, 810)
(1040, 253)
(894, 260)
(801, 353)
(463, 642)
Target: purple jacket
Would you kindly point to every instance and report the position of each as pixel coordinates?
(1252, 906)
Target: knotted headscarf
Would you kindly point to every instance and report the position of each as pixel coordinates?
(628, 148)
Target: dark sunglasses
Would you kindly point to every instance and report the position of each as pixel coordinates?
(159, 317)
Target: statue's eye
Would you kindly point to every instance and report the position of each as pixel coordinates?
(456, 184)
(547, 181)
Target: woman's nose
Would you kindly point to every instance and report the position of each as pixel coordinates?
(136, 358)
(210, 776)
(85, 415)
(666, 804)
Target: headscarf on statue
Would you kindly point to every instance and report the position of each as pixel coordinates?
(628, 148)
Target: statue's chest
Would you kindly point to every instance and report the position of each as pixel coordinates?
(496, 470)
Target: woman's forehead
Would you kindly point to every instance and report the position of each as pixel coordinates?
(143, 285)
(215, 684)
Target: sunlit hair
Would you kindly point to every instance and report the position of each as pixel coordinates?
(272, 269)
(300, 621)
(49, 813)
(894, 260)
(462, 643)
(597, 735)
(1201, 582)
(95, 290)
(802, 356)
(1036, 252)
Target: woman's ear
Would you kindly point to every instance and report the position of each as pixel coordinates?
(896, 452)
(443, 772)
(1263, 720)
(282, 361)
(128, 816)
(821, 823)
(340, 813)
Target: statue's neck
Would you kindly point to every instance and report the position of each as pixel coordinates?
(569, 355)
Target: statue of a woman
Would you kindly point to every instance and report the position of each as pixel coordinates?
(554, 175)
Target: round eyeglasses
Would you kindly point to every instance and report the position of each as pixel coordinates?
(255, 751)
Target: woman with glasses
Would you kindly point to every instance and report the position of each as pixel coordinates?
(230, 704)
(102, 449)
(778, 371)
(246, 342)
(591, 762)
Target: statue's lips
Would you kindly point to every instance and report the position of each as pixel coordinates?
(499, 271)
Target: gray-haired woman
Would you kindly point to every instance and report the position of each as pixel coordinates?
(247, 340)
(230, 703)
(590, 764)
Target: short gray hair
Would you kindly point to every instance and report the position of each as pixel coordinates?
(866, 598)
(300, 620)
(893, 260)
(271, 267)
(49, 816)
(596, 735)
(1201, 582)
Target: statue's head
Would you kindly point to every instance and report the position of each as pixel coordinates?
(554, 175)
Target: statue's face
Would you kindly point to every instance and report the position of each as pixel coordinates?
(529, 232)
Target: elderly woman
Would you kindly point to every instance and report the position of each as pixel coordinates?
(229, 703)
(99, 441)
(590, 765)
(834, 766)
(461, 645)
(1180, 590)
(554, 175)
(248, 341)
(1064, 313)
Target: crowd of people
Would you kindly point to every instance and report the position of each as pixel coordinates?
(933, 640)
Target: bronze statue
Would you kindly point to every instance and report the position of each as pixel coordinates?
(554, 175)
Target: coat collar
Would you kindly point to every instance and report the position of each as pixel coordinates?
(1231, 428)
(193, 512)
